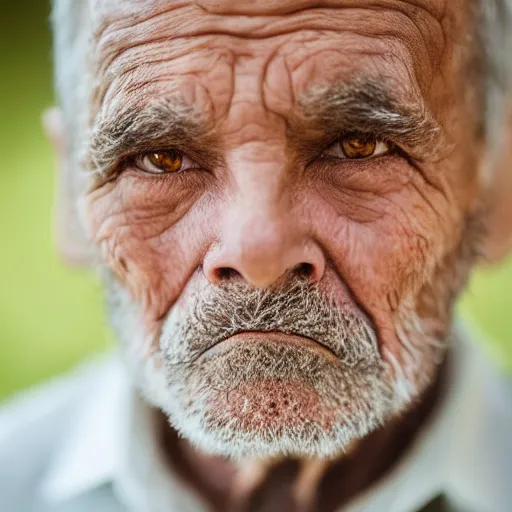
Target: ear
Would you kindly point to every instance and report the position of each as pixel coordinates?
(71, 239)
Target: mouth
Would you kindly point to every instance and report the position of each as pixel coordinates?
(297, 341)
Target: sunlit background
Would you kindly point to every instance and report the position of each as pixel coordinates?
(52, 317)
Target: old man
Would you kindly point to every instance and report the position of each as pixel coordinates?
(284, 200)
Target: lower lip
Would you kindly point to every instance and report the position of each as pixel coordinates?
(290, 340)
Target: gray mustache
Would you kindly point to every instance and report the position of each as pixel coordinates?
(296, 307)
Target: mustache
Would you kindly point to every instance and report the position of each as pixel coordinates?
(295, 307)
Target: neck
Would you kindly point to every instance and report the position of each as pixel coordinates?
(283, 484)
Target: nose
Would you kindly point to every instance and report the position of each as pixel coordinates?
(260, 243)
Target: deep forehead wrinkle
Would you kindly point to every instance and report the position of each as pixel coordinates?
(192, 19)
(270, 7)
(144, 10)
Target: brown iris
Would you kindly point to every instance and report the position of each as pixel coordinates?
(359, 146)
(166, 161)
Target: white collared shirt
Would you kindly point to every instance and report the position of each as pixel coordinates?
(86, 443)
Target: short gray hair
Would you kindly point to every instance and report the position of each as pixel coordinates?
(70, 22)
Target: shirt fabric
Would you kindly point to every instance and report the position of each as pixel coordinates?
(86, 442)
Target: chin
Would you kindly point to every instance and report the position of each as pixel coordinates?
(263, 398)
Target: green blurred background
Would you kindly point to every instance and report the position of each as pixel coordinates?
(51, 317)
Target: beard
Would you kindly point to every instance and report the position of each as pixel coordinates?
(235, 393)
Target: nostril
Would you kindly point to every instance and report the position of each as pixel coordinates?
(226, 273)
(305, 270)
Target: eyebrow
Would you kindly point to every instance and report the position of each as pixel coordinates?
(160, 124)
(368, 106)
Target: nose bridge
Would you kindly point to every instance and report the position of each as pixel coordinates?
(261, 176)
(260, 236)
(262, 227)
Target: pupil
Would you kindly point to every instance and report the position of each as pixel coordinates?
(166, 161)
(359, 147)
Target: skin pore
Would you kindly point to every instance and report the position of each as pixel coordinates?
(276, 296)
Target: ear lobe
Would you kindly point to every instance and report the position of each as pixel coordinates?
(499, 240)
(70, 236)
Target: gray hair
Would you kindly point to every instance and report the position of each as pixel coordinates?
(492, 67)
(70, 23)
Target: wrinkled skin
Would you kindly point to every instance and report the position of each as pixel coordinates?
(390, 238)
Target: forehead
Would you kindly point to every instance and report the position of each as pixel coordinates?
(207, 52)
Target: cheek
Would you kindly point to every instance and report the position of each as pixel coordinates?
(150, 234)
(389, 229)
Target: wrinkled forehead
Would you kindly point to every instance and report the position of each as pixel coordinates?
(188, 47)
(264, 18)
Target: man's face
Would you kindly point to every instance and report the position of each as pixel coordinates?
(283, 197)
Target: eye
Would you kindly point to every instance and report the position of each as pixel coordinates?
(163, 162)
(358, 147)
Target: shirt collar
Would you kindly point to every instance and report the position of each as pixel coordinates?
(111, 440)
(88, 456)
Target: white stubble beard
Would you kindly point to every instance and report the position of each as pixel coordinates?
(164, 377)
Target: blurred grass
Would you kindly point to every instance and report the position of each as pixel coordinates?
(50, 316)
(487, 306)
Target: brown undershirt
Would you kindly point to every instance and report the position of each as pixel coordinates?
(373, 457)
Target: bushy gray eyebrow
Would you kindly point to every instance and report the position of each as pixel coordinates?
(161, 124)
(369, 106)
